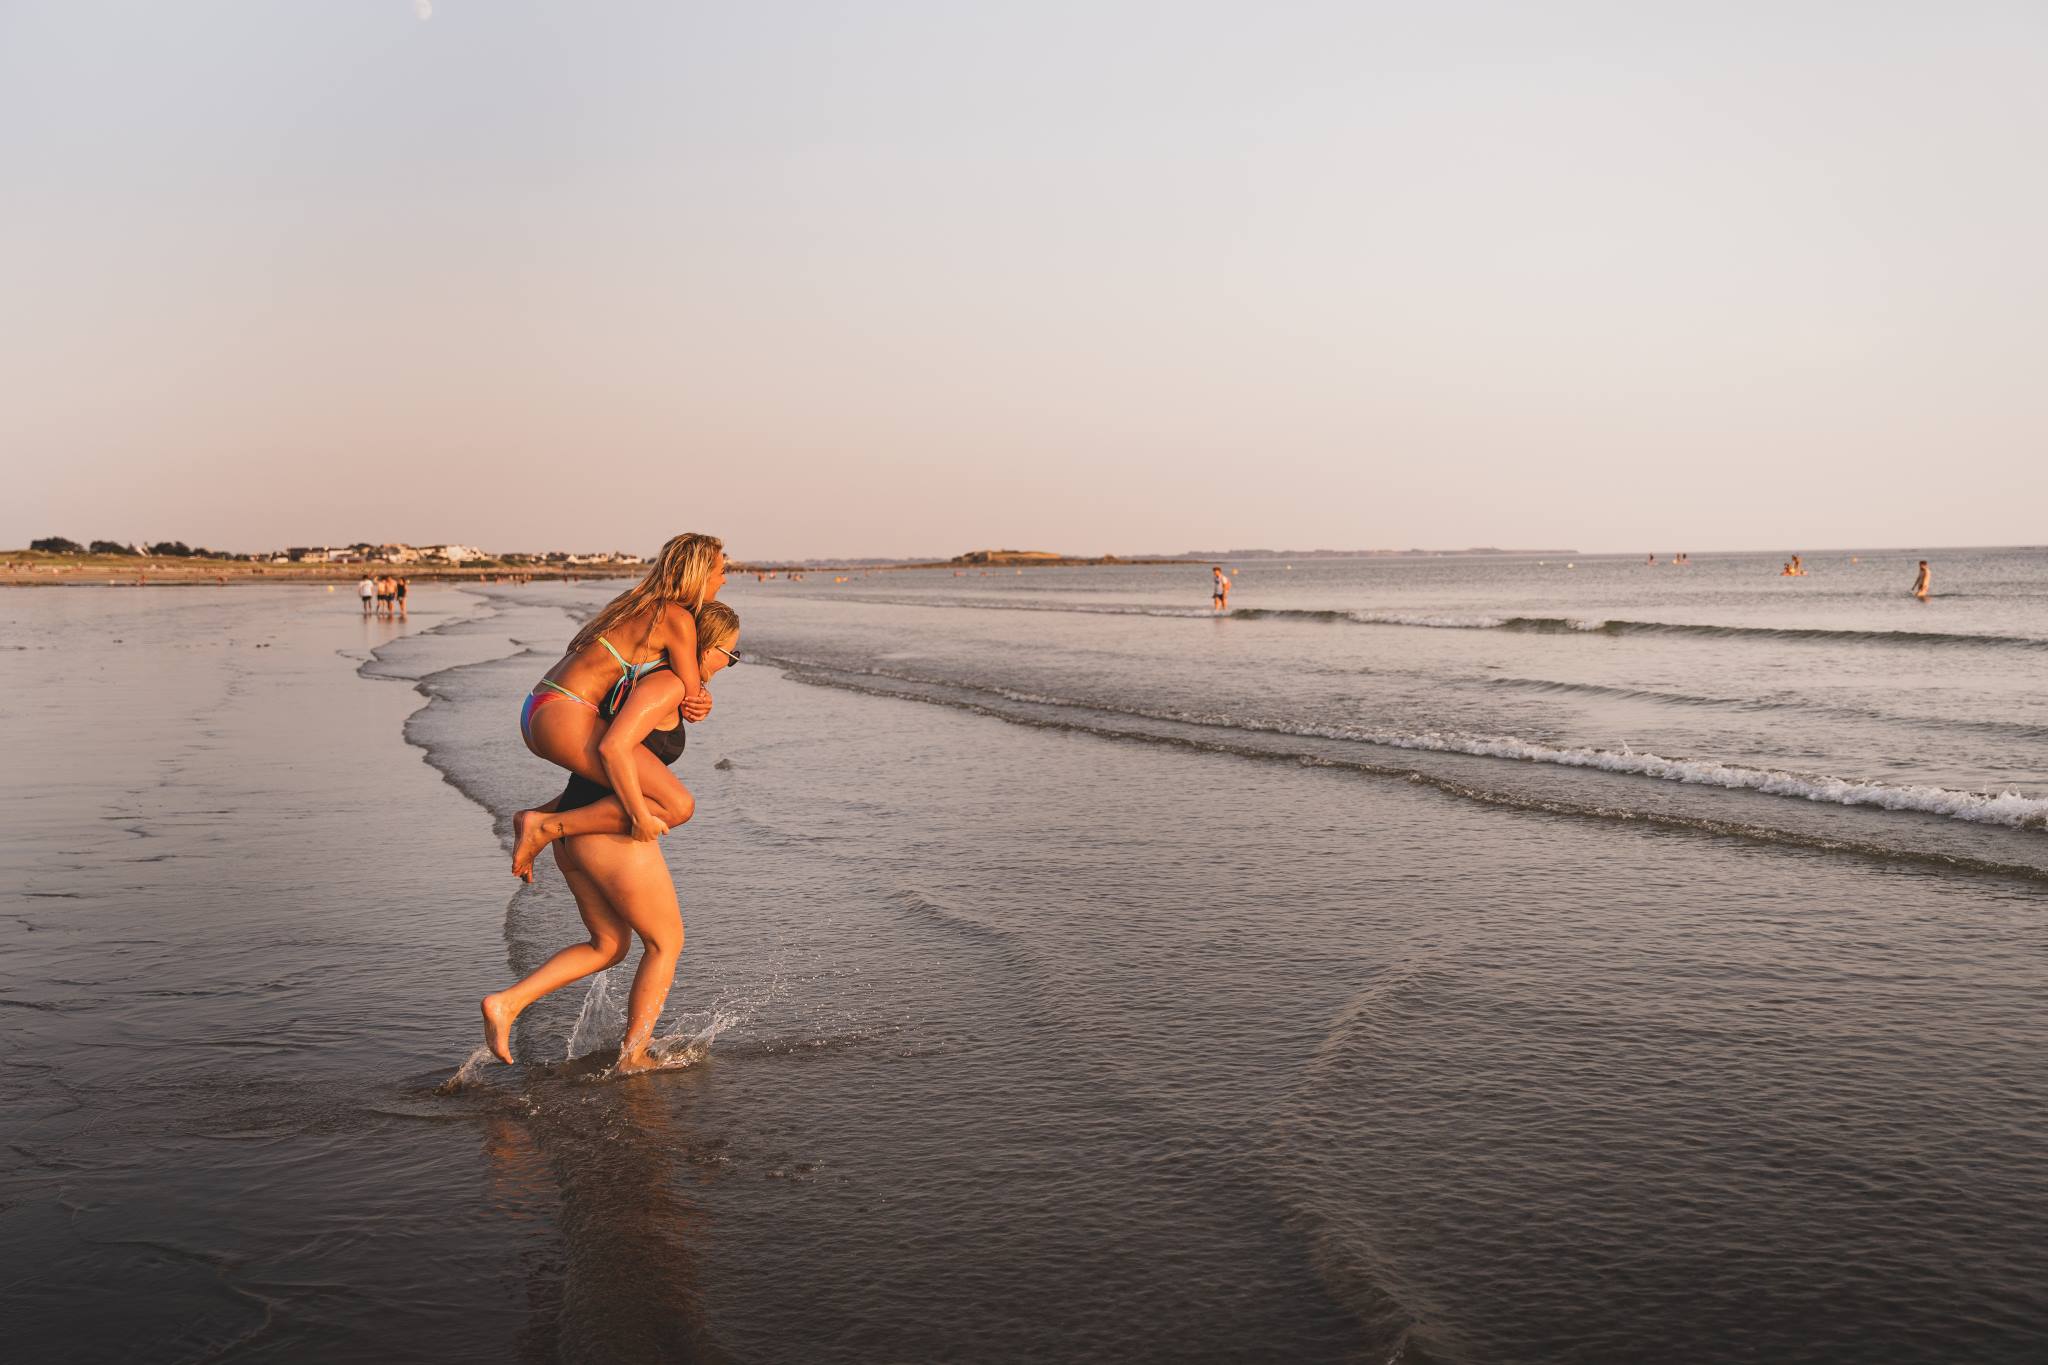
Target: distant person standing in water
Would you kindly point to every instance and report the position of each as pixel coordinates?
(1924, 584)
(398, 594)
(367, 590)
(1219, 592)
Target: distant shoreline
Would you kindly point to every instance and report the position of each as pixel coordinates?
(997, 561)
(1027, 559)
(29, 569)
(35, 568)
(39, 569)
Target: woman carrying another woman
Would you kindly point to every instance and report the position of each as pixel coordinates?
(621, 883)
(562, 719)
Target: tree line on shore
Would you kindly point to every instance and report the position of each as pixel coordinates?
(167, 549)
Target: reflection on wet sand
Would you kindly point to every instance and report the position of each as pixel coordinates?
(624, 1284)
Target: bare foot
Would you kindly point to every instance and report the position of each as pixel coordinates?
(528, 839)
(634, 1062)
(498, 1017)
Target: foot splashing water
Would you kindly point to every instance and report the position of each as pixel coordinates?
(466, 1074)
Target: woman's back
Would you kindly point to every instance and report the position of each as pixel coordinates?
(594, 670)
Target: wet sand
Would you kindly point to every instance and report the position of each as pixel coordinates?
(1018, 1047)
(231, 969)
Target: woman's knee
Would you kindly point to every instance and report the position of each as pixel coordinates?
(675, 807)
(666, 941)
(612, 946)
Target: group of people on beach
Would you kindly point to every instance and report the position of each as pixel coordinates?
(611, 712)
(383, 595)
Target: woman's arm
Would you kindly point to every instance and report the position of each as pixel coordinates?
(653, 698)
(679, 639)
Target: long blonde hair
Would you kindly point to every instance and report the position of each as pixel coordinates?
(681, 574)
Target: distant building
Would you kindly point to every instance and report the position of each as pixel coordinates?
(452, 554)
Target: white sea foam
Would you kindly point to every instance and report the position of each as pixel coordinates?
(1451, 621)
(2008, 808)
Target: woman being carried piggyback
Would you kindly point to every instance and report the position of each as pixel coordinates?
(650, 626)
(622, 884)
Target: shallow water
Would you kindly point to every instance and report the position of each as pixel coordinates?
(1092, 981)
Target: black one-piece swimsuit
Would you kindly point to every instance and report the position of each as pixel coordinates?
(666, 745)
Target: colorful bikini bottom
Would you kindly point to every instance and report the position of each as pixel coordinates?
(535, 700)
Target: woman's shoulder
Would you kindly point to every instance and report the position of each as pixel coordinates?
(673, 621)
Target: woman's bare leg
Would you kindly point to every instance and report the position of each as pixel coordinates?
(609, 936)
(636, 882)
(566, 733)
(609, 815)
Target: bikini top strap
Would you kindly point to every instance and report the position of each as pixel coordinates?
(615, 654)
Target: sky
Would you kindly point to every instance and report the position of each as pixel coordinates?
(908, 279)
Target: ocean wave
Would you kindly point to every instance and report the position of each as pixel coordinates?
(1456, 620)
(2009, 808)
(1565, 625)
(1426, 620)
(1558, 687)
(1570, 807)
(1802, 705)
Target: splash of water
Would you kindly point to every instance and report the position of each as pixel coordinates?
(686, 1046)
(466, 1074)
(599, 1021)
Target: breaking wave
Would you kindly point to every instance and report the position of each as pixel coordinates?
(1456, 620)
(1800, 705)
(1564, 625)
(2010, 809)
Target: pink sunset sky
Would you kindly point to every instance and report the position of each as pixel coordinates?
(912, 278)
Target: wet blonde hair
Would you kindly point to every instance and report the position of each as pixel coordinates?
(681, 574)
(717, 627)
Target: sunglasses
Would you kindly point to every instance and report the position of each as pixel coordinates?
(731, 656)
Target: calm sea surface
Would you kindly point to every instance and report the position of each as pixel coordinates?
(1463, 960)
